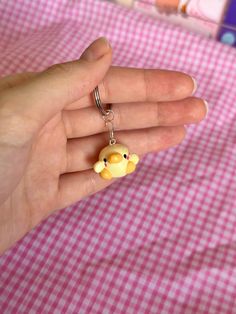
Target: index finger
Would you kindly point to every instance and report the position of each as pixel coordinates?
(122, 85)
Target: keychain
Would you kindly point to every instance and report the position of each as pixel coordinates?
(114, 160)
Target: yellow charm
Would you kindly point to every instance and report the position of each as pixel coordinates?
(115, 161)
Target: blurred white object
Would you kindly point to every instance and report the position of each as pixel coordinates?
(211, 10)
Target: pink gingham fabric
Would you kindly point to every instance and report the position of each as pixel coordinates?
(162, 240)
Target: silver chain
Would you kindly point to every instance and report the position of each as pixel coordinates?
(109, 118)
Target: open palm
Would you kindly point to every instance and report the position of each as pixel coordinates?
(51, 131)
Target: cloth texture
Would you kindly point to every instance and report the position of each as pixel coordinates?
(161, 240)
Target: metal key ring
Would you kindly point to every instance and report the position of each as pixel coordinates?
(98, 102)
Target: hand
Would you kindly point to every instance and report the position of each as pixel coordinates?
(51, 131)
(167, 6)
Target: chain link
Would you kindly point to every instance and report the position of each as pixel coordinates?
(109, 118)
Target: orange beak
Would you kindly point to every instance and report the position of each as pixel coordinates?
(114, 158)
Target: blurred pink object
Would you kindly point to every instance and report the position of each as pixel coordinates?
(161, 240)
(202, 16)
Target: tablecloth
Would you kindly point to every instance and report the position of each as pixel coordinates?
(161, 240)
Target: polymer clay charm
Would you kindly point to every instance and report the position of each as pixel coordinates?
(114, 160)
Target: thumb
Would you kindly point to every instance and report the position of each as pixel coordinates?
(96, 50)
(50, 91)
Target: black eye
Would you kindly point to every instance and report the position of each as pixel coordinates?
(125, 155)
(104, 160)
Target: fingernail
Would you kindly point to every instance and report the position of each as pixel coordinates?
(207, 107)
(96, 50)
(194, 85)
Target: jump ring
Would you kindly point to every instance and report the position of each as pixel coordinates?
(98, 102)
(109, 117)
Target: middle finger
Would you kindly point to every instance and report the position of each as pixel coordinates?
(87, 121)
(82, 153)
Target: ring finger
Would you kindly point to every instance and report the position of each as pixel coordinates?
(82, 153)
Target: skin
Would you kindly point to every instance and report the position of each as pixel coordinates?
(168, 3)
(51, 133)
(167, 6)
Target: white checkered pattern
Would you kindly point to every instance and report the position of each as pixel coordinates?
(161, 240)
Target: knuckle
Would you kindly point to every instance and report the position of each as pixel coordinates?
(67, 123)
(91, 185)
(146, 84)
(181, 134)
(64, 73)
(118, 116)
(104, 91)
(158, 118)
(60, 68)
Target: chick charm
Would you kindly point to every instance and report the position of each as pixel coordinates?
(115, 161)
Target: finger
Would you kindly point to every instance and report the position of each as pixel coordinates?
(83, 153)
(16, 79)
(48, 92)
(87, 121)
(136, 85)
(77, 185)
